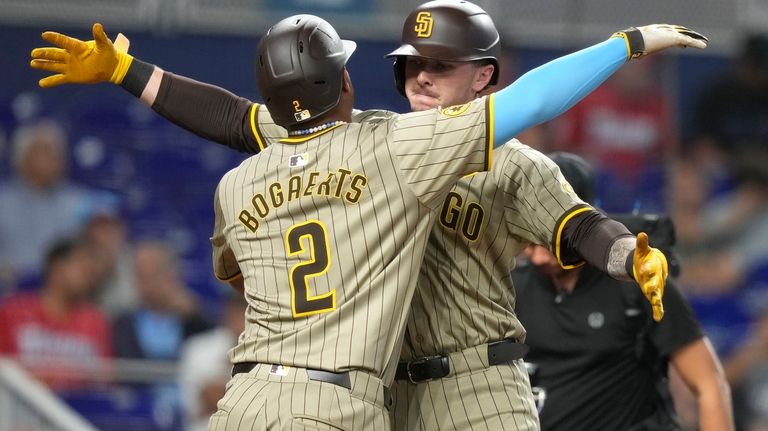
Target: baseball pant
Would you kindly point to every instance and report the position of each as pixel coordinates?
(473, 396)
(270, 397)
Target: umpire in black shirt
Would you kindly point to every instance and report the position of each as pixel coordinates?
(598, 355)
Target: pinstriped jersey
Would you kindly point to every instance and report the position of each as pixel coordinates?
(329, 233)
(263, 130)
(465, 296)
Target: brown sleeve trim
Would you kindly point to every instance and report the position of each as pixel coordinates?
(557, 240)
(589, 235)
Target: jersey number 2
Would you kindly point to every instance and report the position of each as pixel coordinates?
(311, 233)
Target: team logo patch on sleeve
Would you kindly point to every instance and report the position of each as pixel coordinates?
(566, 187)
(453, 111)
(298, 160)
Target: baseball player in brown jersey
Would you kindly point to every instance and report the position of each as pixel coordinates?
(327, 229)
(568, 236)
(461, 362)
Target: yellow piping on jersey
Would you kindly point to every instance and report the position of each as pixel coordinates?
(560, 233)
(623, 35)
(489, 132)
(308, 137)
(254, 127)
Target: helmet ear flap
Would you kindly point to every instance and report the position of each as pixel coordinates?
(399, 69)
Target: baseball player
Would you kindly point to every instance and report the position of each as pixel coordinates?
(461, 361)
(327, 229)
(576, 218)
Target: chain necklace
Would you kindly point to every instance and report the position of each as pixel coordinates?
(311, 130)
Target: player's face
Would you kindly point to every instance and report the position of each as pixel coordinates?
(544, 260)
(431, 83)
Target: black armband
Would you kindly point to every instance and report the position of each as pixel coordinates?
(635, 41)
(629, 265)
(137, 77)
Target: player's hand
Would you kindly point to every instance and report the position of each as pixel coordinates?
(650, 270)
(653, 38)
(79, 62)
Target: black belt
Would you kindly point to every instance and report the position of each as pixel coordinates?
(338, 379)
(437, 367)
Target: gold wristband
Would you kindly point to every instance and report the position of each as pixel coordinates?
(123, 63)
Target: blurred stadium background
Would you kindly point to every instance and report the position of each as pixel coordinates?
(164, 177)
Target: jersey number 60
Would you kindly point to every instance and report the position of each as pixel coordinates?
(313, 233)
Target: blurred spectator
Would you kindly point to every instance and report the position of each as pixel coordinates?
(58, 333)
(166, 314)
(720, 201)
(732, 235)
(687, 196)
(204, 367)
(732, 112)
(626, 129)
(39, 205)
(106, 233)
(723, 247)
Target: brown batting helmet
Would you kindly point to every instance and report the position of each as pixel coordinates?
(449, 30)
(299, 64)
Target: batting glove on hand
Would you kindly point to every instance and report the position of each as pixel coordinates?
(650, 270)
(653, 38)
(79, 62)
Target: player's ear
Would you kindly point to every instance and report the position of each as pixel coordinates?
(346, 81)
(483, 75)
(347, 96)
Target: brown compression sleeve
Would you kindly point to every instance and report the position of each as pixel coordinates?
(590, 235)
(207, 111)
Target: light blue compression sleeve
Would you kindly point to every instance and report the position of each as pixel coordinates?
(549, 90)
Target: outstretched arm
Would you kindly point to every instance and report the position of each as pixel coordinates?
(584, 233)
(203, 109)
(551, 89)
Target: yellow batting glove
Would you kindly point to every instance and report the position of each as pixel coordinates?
(650, 270)
(78, 62)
